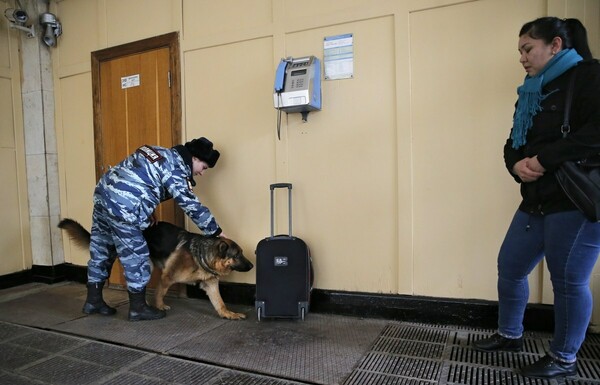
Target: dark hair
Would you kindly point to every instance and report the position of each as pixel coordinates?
(571, 31)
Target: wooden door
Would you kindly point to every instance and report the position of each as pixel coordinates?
(134, 105)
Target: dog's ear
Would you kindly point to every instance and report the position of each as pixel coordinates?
(223, 247)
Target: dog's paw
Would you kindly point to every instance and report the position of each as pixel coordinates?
(163, 307)
(233, 316)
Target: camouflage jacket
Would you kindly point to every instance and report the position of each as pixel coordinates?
(132, 190)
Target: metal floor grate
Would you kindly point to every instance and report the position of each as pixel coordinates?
(473, 375)
(417, 354)
(401, 366)
(412, 348)
(410, 332)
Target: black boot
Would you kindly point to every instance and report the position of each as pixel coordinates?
(94, 304)
(496, 343)
(548, 367)
(139, 310)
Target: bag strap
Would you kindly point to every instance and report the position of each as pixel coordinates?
(566, 126)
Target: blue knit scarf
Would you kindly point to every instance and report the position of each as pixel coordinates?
(530, 93)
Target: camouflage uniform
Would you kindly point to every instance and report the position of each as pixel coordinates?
(124, 200)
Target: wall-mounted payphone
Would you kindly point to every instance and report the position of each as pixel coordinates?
(298, 85)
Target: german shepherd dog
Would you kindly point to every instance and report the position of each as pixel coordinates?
(183, 257)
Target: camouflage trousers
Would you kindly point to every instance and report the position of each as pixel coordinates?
(111, 236)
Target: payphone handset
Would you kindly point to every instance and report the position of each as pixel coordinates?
(298, 84)
(280, 75)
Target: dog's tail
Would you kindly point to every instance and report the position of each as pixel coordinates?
(76, 232)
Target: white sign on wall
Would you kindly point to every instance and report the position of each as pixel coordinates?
(338, 57)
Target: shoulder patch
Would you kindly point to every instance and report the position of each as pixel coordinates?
(151, 154)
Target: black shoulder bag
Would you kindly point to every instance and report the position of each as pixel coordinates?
(580, 179)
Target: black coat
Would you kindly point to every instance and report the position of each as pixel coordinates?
(544, 139)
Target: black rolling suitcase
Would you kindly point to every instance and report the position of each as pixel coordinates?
(283, 271)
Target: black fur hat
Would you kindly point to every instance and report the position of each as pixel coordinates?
(202, 149)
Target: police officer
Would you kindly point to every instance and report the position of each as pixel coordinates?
(124, 202)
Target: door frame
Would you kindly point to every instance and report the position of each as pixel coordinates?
(169, 40)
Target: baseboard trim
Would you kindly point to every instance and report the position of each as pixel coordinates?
(48, 274)
(430, 310)
(15, 279)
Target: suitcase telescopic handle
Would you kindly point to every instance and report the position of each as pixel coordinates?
(273, 187)
(281, 185)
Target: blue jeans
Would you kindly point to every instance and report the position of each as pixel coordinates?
(571, 245)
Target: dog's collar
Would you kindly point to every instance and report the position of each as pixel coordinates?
(204, 264)
(199, 252)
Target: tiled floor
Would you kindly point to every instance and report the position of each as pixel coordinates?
(45, 339)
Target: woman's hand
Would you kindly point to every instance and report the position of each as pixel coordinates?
(528, 169)
(535, 165)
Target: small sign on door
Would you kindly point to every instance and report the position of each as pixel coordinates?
(130, 81)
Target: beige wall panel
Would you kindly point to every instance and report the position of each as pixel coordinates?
(342, 164)
(15, 245)
(592, 23)
(78, 157)
(568, 8)
(80, 35)
(588, 11)
(11, 240)
(202, 18)
(7, 121)
(133, 20)
(463, 92)
(4, 42)
(4, 56)
(310, 8)
(228, 99)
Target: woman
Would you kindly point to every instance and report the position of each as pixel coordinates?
(547, 224)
